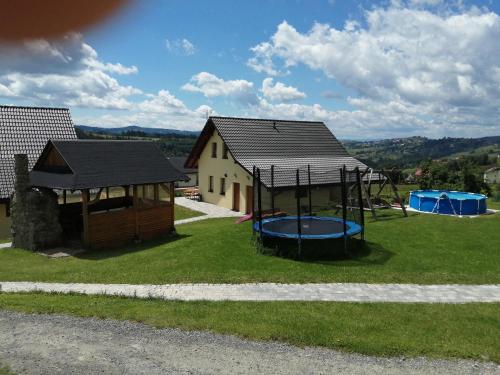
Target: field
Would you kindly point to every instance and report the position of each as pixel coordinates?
(426, 249)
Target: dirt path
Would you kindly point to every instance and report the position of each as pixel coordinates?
(54, 344)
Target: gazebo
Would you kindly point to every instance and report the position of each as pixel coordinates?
(127, 189)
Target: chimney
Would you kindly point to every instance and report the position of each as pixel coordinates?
(22, 175)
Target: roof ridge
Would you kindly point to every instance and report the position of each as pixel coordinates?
(32, 107)
(264, 119)
(101, 140)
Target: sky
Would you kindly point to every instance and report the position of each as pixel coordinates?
(368, 69)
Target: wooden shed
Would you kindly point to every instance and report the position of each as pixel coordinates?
(127, 189)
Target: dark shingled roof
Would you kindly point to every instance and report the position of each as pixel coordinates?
(283, 143)
(26, 130)
(97, 164)
(178, 163)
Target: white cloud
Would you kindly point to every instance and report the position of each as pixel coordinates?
(181, 46)
(163, 102)
(425, 2)
(412, 69)
(68, 73)
(212, 86)
(279, 91)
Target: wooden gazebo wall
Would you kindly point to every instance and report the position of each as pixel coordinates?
(144, 220)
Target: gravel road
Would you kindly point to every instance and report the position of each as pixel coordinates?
(55, 344)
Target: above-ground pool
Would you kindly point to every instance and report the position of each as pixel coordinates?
(448, 202)
(312, 227)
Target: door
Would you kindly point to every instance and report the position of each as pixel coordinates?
(236, 196)
(249, 200)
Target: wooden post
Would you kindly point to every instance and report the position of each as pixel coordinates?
(135, 201)
(156, 193)
(172, 201)
(368, 199)
(64, 196)
(361, 208)
(85, 217)
(398, 198)
(107, 193)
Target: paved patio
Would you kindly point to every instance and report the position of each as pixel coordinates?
(350, 292)
(210, 210)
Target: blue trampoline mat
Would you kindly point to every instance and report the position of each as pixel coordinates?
(312, 227)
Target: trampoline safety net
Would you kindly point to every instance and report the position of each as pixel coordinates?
(302, 204)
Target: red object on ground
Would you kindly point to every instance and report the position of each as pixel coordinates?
(244, 218)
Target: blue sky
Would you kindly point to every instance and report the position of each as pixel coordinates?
(367, 69)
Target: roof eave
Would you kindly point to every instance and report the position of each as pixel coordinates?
(201, 142)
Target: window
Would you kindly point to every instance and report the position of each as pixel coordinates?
(214, 149)
(211, 184)
(223, 186)
(225, 152)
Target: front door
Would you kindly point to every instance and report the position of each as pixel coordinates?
(249, 200)
(236, 196)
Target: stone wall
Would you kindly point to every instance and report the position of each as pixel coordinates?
(34, 212)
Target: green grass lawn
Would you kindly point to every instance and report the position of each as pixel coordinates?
(5, 240)
(433, 330)
(422, 248)
(185, 213)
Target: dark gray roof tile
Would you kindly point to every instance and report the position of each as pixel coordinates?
(26, 130)
(285, 144)
(101, 163)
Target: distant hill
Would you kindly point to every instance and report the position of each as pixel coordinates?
(172, 142)
(408, 152)
(136, 129)
(401, 152)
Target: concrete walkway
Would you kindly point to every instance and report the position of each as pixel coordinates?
(402, 293)
(210, 210)
(5, 245)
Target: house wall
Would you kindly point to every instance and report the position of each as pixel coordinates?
(234, 173)
(193, 181)
(492, 177)
(323, 198)
(219, 168)
(5, 223)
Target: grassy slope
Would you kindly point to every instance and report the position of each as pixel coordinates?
(466, 331)
(419, 249)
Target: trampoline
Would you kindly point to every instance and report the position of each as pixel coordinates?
(318, 208)
(312, 227)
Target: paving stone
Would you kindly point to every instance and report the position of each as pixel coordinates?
(403, 293)
(211, 211)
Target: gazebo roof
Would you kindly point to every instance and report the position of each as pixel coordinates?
(87, 164)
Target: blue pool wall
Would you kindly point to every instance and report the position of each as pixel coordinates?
(461, 203)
